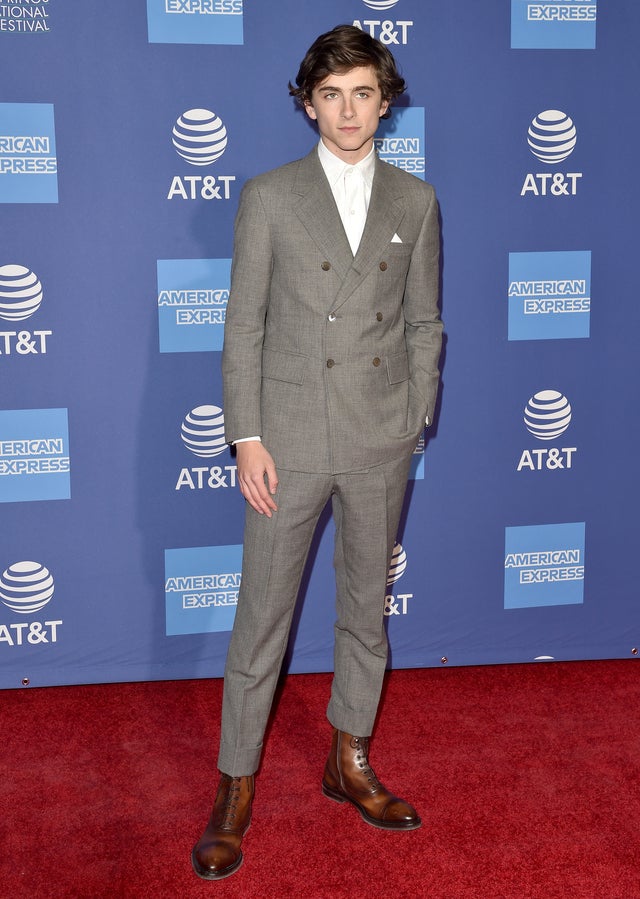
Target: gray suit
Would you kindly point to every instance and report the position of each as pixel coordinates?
(333, 360)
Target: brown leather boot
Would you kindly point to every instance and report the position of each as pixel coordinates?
(349, 777)
(217, 853)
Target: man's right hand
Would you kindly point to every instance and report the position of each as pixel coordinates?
(254, 463)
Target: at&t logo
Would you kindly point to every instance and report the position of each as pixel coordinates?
(20, 296)
(26, 588)
(547, 416)
(385, 30)
(551, 138)
(202, 433)
(398, 604)
(380, 5)
(200, 138)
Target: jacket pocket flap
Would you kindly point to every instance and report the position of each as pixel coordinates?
(398, 368)
(283, 366)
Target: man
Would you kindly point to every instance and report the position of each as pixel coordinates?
(332, 341)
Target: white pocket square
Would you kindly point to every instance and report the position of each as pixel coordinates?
(395, 239)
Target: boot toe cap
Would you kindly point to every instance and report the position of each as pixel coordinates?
(400, 814)
(216, 860)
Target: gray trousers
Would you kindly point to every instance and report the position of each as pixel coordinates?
(366, 510)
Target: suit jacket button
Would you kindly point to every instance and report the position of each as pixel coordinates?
(379, 316)
(331, 317)
(383, 266)
(376, 362)
(325, 266)
(330, 363)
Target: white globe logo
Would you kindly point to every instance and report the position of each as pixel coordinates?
(26, 587)
(202, 431)
(398, 564)
(199, 136)
(20, 293)
(380, 5)
(547, 415)
(552, 136)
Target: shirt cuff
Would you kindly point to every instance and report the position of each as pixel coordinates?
(245, 440)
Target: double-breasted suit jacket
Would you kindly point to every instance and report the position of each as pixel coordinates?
(331, 358)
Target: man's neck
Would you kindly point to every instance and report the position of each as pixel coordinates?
(350, 157)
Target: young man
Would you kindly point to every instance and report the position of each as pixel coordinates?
(330, 369)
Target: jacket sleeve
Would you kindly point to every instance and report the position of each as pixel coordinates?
(423, 326)
(245, 320)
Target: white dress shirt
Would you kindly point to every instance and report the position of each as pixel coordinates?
(353, 214)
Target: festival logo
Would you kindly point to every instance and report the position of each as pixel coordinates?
(24, 17)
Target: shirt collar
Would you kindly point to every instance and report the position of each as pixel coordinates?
(334, 167)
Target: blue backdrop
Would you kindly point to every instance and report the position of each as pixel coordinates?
(127, 130)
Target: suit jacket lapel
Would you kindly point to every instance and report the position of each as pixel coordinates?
(383, 218)
(319, 214)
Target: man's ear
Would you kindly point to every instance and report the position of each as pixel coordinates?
(383, 107)
(308, 107)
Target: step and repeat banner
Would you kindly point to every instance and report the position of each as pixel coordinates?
(127, 130)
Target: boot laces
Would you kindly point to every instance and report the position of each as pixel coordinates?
(361, 745)
(231, 803)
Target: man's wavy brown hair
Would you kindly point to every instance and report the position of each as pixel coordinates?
(340, 50)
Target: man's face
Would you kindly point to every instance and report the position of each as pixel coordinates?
(347, 109)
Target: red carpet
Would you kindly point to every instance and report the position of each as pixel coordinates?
(526, 776)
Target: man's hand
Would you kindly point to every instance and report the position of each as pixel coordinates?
(254, 462)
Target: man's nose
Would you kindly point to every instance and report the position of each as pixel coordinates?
(347, 109)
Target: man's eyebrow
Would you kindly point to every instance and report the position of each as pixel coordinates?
(360, 87)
